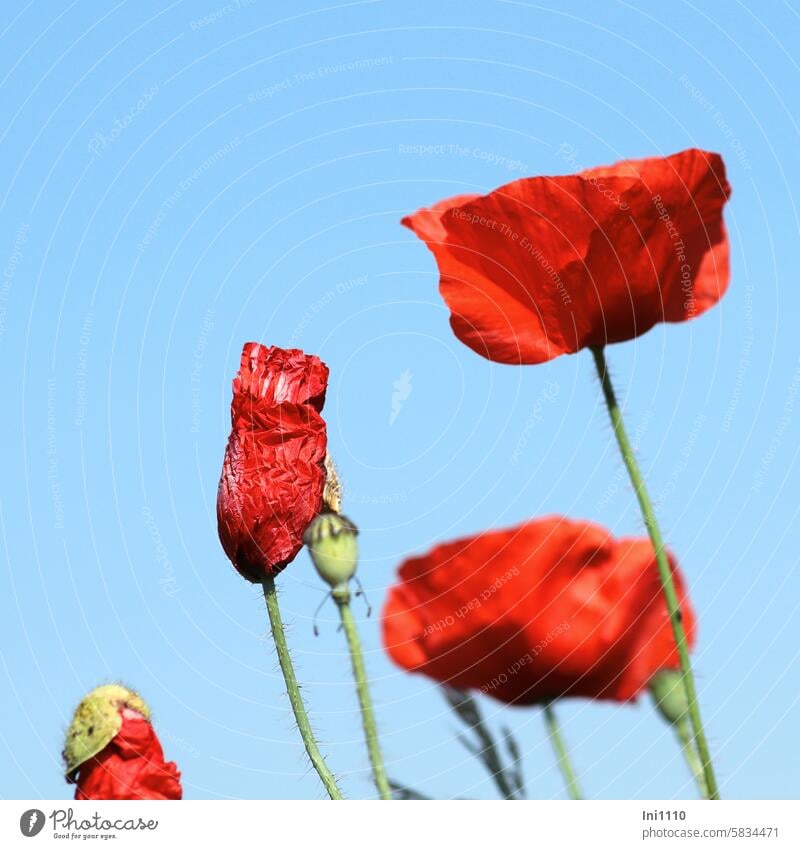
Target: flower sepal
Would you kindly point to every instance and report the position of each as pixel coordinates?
(96, 722)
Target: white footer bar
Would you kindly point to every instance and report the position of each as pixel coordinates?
(406, 825)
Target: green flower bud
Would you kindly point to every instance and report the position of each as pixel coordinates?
(97, 721)
(331, 539)
(669, 694)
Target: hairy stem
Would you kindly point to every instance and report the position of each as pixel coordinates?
(664, 571)
(293, 689)
(684, 735)
(342, 599)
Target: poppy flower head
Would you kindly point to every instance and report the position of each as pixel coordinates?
(112, 751)
(545, 266)
(273, 473)
(550, 608)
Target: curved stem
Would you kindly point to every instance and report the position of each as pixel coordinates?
(560, 748)
(342, 599)
(293, 689)
(664, 571)
(684, 735)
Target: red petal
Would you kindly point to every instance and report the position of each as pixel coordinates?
(273, 473)
(553, 607)
(131, 766)
(548, 265)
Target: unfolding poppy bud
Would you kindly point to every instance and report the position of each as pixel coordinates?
(332, 540)
(274, 472)
(96, 722)
(669, 695)
(112, 751)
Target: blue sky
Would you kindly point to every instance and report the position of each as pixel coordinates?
(178, 179)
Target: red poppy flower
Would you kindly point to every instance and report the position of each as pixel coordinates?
(551, 608)
(545, 266)
(273, 474)
(131, 766)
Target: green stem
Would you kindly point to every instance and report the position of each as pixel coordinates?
(560, 748)
(342, 599)
(467, 709)
(684, 734)
(664, 571)
(293, 688)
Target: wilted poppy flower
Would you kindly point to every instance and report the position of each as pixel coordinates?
(551, 608)
(112, 751)
(545, 266)
(273, 474)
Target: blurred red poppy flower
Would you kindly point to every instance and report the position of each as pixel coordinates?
(545, 266)
(273, 474)
(550, 608)
(131, 766)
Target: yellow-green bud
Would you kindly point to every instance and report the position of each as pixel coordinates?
(96, 722)
(331, 540)
(669, 694)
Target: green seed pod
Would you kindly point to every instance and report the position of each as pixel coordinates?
(331, 540)
(669, 694)
(96, 722)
